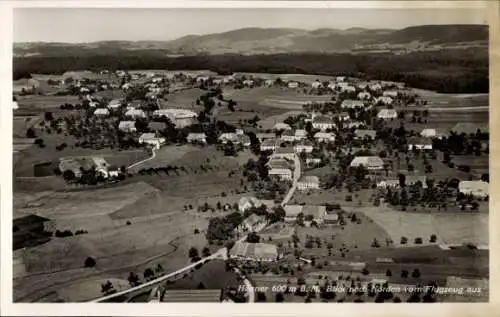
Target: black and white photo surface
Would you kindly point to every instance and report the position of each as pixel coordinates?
(249, 155)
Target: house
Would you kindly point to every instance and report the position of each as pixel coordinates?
(323, 123)
(300, 134)
(268, 145)
(369, 162)
(281, 126)
(217, 82)
(293, 84)
(347, 88)
(428, 133)
(281, 169)
(409, 180)
(316, 212)
(239, 132)
(362, 85)
(202, 79)
(126, 86)
(191, 296)
(292, 211)
(157, 126)
(246, 203)
(197, 138)
(360, 134)
(304, 146)
(324, 137)
(228, 79)
(384, 100)
(253, 223)
(364, 95)
(288, 136)
(390, 93)
(248, 83)
(93, 104)
(101, 112)
(332, 86)
(316, 85)
(313, 161)
(151, 138)
(180, 117)
(340, 79)
(284, 152)
(263, 252)
(265, 136)
(475, 188)
(419, 144)
(269, 82)
(308, 182)
(343, 116)
(135, 113)
(114, 104)
(375, 87)
(387, 114)
(354, 124)
(244, 140)
(127, 126)
(331, 218)
(114, 171)
(352, 104)
(226, 137)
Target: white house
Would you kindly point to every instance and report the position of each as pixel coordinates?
(152, 139)
(114, 104)
(323, 123)
(268, 145)
(375, 87)
(262, 252)
(419, 143)
(316, 85)
(347, 88)
(127, 126)
(387, 114)
(101, 112)
(355, 124)
(293, 84)
(253, 223)
(246, 203)
(343, 116)
(282, 173)
(226, 137)
(197, 138)
(288, 136)
(135, 113)
(340, 79)
(390, 93)
(248, 82)
(304, 147)
(474, 188)
(364, 95)
(281, 126)
(352, 104)
(284, 152)
(369, 162)
(428, 133)
(332, 86)
(384, 100)
(269, 82)
(300, 134)
(324, 137)
(308, 182)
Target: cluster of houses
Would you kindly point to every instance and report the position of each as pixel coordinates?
(85, 163)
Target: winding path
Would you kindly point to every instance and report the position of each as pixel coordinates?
(145, 160)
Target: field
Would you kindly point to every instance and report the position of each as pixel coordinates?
(165, 156)
(332, 196)
(451, 228)
(33, 102)
(118, 247)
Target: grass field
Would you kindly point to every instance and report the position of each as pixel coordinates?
(45, 102)
(165, 156)
(212, 275)
(450, 228)
(118, 248)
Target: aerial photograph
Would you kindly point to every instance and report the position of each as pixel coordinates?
(228, 155)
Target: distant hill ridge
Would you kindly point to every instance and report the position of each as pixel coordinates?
(282, 40)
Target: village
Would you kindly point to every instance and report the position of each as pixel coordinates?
(342, 182)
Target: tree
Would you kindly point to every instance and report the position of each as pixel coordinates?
(418, 240)
(205, 252)
(48, 116)
(107, 288)
(404, 240)
(365, 271)
(415, 273)
(279, 297)
(433, 238)
(404, 273)
(40, 142)
(193, 252)
(30, 133)
(201, 286)
(253, 237)
(388, 273)
(89, 262)
(148, 273)
(68, 175)
(133, 279)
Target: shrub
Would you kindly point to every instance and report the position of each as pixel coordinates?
(433, 238)
(418, 240)
(388, 273)
(89, 262)
(404, 240)
(404, 273)
(128, 223)
(415, 273)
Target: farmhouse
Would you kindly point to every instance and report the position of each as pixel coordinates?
(369, 162)
(157, 126)
(316, 85)
(362, 133)
(419, 144)
(268, 145)
(228, 79)
(347, 88)
(253, 223)
(229, 137)
(428, 133)
(192, 296)
(387, 114)
(246, 203)
(151, 138)
(281, 126)
(343, 116)
(375, 87)
(288, 136)
(135, 113)
(308, 182)
(197, 138)
(313, 161)
(293, 84)
(304, 146)
(340, 78)
(332, 86)
(300, 134)
(362, 85)
(364, 95)
(217, 81)
(127, 126)
(292, 211)
(254, 252)
(384, 100)
(316, 212)
(474, 188)
(101, 112)
(269, 82)
(323, 123)
(281, 173)
(284, 152)
(115, 104)
(354, 124)
(390, 93)
(280, 168)
(248, 83)
(331, 218)
(265, 136)
(324, 137)
(352, 104)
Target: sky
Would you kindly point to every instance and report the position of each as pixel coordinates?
(90, 25)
